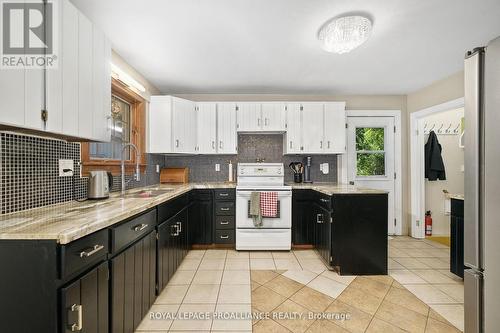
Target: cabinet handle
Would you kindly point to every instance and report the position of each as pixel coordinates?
(177, 143)
(176, 231)
(220, 144)
(324, 200)
(291, 144)
(140, 227)
(224, 209)
(321, 144)
(328, 144)
(95, 249)
(258, 122)
(78, 326)
(223, 194)
(224, 237)
(319, 218)
(224, 223)
(180, 226)
(266, 121)
(213, 144)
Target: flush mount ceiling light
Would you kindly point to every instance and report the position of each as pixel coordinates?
(344, 34)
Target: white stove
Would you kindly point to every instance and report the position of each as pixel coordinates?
(274, 233)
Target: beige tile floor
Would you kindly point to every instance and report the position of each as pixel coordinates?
(298, 282)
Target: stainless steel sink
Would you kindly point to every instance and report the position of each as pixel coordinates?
(149, 193)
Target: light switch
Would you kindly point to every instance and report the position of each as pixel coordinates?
(157, 168)
(217, 167)
(66, 168)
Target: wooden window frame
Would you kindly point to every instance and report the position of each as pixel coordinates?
(137, 135)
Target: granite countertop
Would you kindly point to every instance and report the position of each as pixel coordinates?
(332, 188)
(66, 222)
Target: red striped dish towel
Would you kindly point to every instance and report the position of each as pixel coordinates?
(269, 204)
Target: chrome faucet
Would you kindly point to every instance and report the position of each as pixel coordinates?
(137, 175)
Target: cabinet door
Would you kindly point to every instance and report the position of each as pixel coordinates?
(273, 116)
(249, 117)
(207, 128)
(68, 65)
(85, 73)
(294, 128)
(12, 97)
(84, 303)
(160, 124)
(312, 128)
(200, 222)
(226, 128)
(334, 127)
(183, 123)
(101, 114)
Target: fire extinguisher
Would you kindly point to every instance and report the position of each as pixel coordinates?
(428, 223)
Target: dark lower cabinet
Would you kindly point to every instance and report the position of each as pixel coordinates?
(172, 246)
(84, 303)
(322, 235)
(359, 234)
(457, 237)
(133, 284)
(201, 217)
(303, 227)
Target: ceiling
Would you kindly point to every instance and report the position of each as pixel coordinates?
(270, 46)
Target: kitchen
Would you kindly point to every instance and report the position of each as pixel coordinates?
(145, 183)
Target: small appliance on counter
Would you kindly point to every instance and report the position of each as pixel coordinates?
(298, 169)
(174, 175)
(307, 170)
(100, 182)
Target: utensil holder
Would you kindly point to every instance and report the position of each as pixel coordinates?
(297, 177)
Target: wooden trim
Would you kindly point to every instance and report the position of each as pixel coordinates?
(137, 135)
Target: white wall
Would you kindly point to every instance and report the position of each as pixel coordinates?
(453, 157)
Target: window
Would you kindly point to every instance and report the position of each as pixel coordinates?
(370, 154)
(127, 125)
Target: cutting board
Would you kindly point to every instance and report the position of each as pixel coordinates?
(174, 175)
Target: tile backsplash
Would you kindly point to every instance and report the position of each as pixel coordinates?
(267, 147)
(29, 168)
(29, 172)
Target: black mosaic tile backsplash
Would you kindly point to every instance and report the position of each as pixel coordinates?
(251, 147)
(29, 172)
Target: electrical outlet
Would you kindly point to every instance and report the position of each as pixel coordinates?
(157, 168)
(66, 168)
(217, 167)
(325, 168)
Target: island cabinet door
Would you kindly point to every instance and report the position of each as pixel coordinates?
(167, 251)
(323, 232)
(200, 218)
(133, 284)
(84, 303)
(303, 222)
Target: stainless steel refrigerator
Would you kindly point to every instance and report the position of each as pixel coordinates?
(482, 189)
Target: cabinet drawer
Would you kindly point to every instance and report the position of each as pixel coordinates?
(224, 208)
(224, 236)
(84, 252)
(224, 222)
(200, 195)
(172, 207)
(132, 230)
(324, 201)
(225, 194)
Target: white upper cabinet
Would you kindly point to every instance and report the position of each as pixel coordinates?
(206, 128)
(335, 133)
(312, 128)
(293, 136)
(226, 128)
(85, 72)
(183, 126)
(273, 117)
(77, 92)
(160, 125)
(249, 117)
(315, 128)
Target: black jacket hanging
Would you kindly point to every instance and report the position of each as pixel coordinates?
(434, 166)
